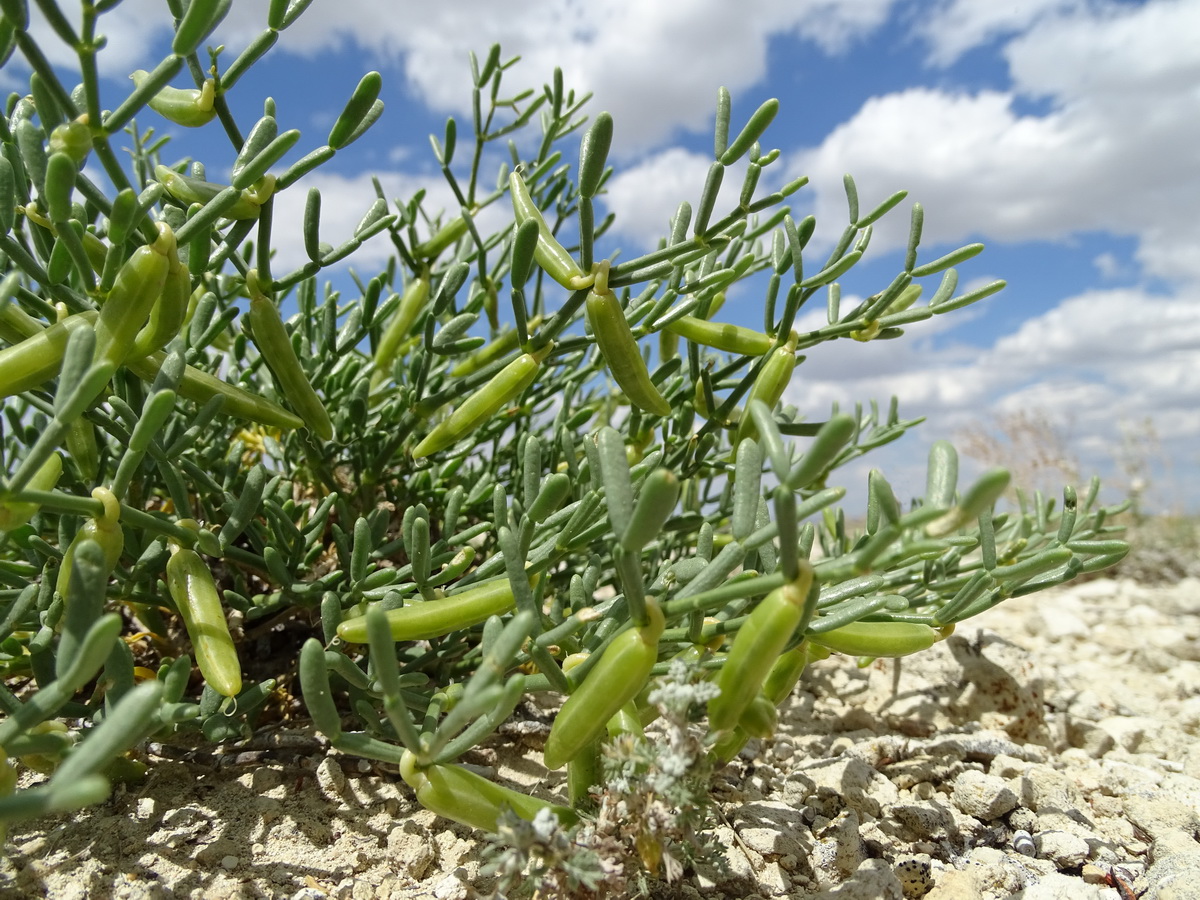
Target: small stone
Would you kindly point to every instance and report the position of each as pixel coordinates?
(330, 779)
(873, 880)
(1004, 766)
(147, 808)
(1060, 624)
(450, 887)
(1044, 789)
(1090, 737)
(1175, 877)
(1156, 816)
(956, 884)
(772, 828)
(1067, 851)
(985, 797)
(1129, 732)
(923, 821)
(1060, 887)
(1172, 842)
(229, 863)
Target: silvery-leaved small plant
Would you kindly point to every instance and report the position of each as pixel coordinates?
(505, 463)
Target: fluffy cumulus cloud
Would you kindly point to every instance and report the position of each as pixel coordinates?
(952, 27)
(616, 49)
(1113, 152)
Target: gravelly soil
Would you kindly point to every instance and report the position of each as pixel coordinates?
(1048, 751)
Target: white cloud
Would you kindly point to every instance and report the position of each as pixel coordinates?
(1096, 363)
(1114, 153)
(622, 51)
(953, 27)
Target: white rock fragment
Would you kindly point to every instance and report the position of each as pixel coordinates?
(331, 780)
(985, 797)
(956, 884)
(873, 880)
(1065, 850)
(451, 887)
(1060, 887)
(1159, 815)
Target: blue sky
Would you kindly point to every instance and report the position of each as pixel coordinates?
(1061, 133)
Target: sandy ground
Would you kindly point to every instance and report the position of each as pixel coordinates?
(1048, 750)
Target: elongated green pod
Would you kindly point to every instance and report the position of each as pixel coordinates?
(730, 338)
(621, 354)
(759, 718)
(314, 684)
(986, 490)
(133, 296)
(167, 314)
(189, 107)
(201, 387)
(524, 245)
(359, 109)
(593, 153)
(469, 799)
(434, 618)
(130, 721)
(504, 387)
(882, 506)
(655, 504)
(549, 253)
(752, 131)
(554, 489)
(824, 449)
(83, 449)
(747, 488)
(197, 23)
(786, 672)
(769, 386)
(188, 190)
(878, 639)
(411, 303)
(37, 358)
(756, 647)
(14, 514)
(275, 345)
(8, 195)
(942, 475)
(195, 594)
(83, 601)
(105, 530)
(447, 235)
(79, 670)
(615, 679)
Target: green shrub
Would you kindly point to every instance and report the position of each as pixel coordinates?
(436, 505)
